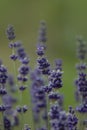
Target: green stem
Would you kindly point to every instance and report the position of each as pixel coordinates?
(48, 125)
(22, 116)
(3, 128)
(30, 98)
(14, 67)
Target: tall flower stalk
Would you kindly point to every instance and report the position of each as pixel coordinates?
(81, 81)
(18, 52)
(13, 45)
(44, 68)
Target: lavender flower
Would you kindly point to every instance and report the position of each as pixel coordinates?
(53, 96)
(22, 109)
(54, 112)
(81, 50)
(43, 65)
(58, 118)
(21, 53)
(58, 63)
(42, 32)
(13, 57)
(72, 120)
(7, 124)
(3, 74)
(38, 97)
(3, 79)
(55, 79)
(40, 49)
(77, 96)
(10, 32)
(42, 62)
(37, 90)
(11, 83)
(81, 81)
(82, 108)
(16, 44)
(2, 108)
(82, 85)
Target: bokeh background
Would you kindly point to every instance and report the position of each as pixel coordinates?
(65, 20)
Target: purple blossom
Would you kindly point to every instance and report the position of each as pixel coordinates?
(81, 84)
(55, 79)
(81, 49)
(54, 112)
(2, 108)
(23, 70)
(16, 44)
(77, 96)
(22, 109)
(58, 118)
(21, 53)
(54, 96)
(47, 88)
(42, 32)
(81, 66)
(3, 91)
(38, 96)
(58, 63)
(11, 83)
(10, 32)
(7, 123)
(41, 49)
(22, 88)
(82, 108)
(43, 65)
(13, 57)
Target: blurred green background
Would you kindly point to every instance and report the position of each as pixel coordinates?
(65, 20)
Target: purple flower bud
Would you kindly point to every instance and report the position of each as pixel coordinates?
(10, 32)
(54, 96)
(42, 32)
(81, 50)
(21, 53)
(40, 49)
(23, 70)
(25, 108)
(25, 60)
(58, 63)
(7, 123)
(17, 44)
(3, 91)
(11, 45)
(19, 109)
(22, 88)
(2, 108)
(43, 65)
(13, 57)
(47, 89)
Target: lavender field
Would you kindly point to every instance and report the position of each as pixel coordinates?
(43, 80)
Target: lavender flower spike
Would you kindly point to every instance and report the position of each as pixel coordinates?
(10, 32)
